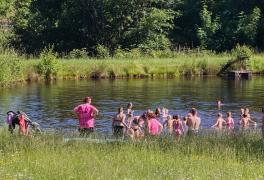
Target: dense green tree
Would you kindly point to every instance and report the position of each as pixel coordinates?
(146, 24)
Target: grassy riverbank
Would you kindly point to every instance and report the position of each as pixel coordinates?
(208, 157)
(180, 65)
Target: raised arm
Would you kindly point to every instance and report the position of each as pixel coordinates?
(216, 124)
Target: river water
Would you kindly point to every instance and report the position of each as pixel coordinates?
(51, 104)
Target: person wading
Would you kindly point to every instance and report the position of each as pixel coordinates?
(86, 114)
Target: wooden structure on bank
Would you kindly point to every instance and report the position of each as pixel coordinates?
(239, 74)
(243, 73)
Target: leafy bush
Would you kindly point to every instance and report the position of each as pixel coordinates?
(242, 52)
(48, 65)
(102, 51)
(10, 68)
(78, 53)
(129, 54)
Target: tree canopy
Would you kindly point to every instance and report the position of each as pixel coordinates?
(216, 25)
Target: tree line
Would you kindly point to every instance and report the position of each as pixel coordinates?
(147, 25)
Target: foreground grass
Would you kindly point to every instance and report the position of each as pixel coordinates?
(207, 157)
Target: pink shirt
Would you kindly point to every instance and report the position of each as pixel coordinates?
(154, 127)
(85, 114)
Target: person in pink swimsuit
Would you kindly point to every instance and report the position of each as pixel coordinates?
(86, 113)
(177, 125)
(154, 126)
(229, 121)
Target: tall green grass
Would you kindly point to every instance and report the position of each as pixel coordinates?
(204, 157)
(180, 65)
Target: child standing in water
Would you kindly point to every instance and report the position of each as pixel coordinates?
(229, 121)
(178, 126)
(245, 121)
(169, 124)
(219, 122)
(130, 112)
(119, 123)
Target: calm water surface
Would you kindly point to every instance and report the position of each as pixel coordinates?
(51, 104)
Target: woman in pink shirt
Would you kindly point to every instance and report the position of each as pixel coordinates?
(86, 113)
(154, 126)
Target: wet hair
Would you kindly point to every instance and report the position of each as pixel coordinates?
(176, 116)
(193, 111)
(244, 115)
(151, 115)
(87, 99)
(169, 117)
(129, 105)
(246, 110)
(157, 112)
(144, 115)
(120, 109)
(229, 114)
(219, 115)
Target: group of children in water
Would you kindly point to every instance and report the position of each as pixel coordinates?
(155, 122)
(149, 123)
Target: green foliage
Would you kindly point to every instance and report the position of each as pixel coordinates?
(149, 25)
(10, 68)
(242, 52)
(243, 55)
(78, 53)
(102, 51)
(208, 28)
(211, 156)
(6, 8)
(247, 25)
(49, 64)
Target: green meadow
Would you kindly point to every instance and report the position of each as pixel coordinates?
(213, 156)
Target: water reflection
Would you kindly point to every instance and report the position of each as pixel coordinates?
(51, 104)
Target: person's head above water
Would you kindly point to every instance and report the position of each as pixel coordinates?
(151, 115)
(193, 111)
(158, 111)
(219, 115)
(120, 110)
(219, 103)
(129, 105)
(87, 100)
(176, 117)
(169, 117)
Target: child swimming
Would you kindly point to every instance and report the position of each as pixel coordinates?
(219, 122)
